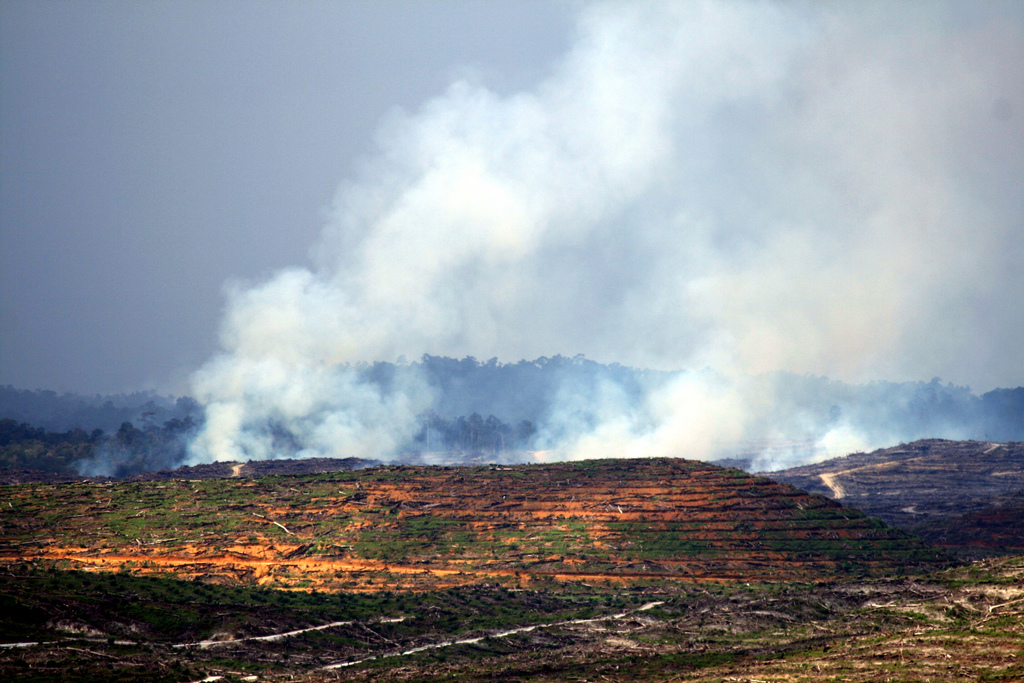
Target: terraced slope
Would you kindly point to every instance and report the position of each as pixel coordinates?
(967, 496)
(429, 527)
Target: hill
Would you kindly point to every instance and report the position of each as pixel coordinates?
(966, 496)
(619, 570)
(429, 527)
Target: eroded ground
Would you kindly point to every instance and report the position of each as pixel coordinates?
(435, 527)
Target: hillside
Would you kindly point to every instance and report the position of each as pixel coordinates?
(967, 496)
(431, 527)
(618, 570)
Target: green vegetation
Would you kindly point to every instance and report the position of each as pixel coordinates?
(128, 451)
(138, 618)
(591, 517)
(499, 535)
(169, 610)
(954, 625)
(25, 447)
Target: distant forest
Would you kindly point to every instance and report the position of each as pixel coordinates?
(62, 412)
(127, 451)
(115, 435)
(556, 396)
(489, 408)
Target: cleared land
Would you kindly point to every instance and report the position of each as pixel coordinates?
(435, 527)
(965, 496)
(962, 624)
(648, 570)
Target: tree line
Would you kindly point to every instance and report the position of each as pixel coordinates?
(127, 451)
(472, 433)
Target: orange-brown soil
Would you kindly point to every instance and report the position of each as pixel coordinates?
(432, 527)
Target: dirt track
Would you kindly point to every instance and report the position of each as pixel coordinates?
(967, 496)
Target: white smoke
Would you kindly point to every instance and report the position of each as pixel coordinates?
(752, 187)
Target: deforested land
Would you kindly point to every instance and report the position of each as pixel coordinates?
(659, 569)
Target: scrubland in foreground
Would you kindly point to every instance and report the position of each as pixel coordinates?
(960, 624)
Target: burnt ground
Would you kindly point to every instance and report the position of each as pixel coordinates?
(966, 496)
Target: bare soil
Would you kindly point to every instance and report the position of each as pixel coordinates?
(965, 496)
(435, 527)
(651, 570)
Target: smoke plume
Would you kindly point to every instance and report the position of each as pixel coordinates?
(729, 188)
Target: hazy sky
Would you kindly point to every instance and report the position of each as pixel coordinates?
(151, 151)
(825, 188)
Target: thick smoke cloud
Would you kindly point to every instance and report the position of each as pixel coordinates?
(748, 187)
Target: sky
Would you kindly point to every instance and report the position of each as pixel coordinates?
(223, 199)
(150, 152)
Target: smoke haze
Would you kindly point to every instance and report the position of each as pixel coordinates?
(732, 189)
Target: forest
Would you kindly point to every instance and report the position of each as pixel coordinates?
(487, 408)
